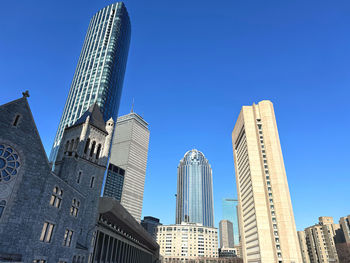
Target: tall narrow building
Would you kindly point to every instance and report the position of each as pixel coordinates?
(226, 234)
(267, 226)
(129, 151)
(194, 202)
(100, 71)
(229, 212)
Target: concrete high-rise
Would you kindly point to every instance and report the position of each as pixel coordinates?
(229, 212)
(303, 247)
(226, 234)
(100, 71)
(345, 226)
(266, 219)
(321, 239)
(194, 199)
(129, 151)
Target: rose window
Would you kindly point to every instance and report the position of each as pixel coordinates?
(9, 163)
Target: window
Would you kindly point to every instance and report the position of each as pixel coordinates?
(98, 151)
(92, 182)
(92, 148)
(2, 207)
(46, 232)
(75, 207)
(39, 261)
(87, 145)
(68, 234)
(15, 122)
(79, 177)
(56, 197)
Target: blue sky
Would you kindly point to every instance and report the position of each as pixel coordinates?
(191, 66)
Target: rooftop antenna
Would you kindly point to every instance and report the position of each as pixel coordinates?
(132, 106)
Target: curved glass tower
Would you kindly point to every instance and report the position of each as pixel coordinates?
(194, 202)
(100, 71)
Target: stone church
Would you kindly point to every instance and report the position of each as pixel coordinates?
(50, 216)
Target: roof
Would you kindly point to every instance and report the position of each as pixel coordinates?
(96, 118)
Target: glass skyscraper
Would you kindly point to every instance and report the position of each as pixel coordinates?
(194, 202)
(229, 212)
(100, 71)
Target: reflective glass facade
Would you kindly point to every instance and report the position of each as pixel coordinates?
(100, 71)
(229, 212)
(114, 182)
(194, 202)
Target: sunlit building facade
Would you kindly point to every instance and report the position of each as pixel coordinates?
(194, 202)
(99, 74)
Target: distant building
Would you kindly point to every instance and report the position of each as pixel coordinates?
(321, 240)
(129, 151)
(303, 247)
(194, 199)
(50, 216)
(99, 75)
(226, 234)
(230, 212)
(345, 226)
(266, 219)
(187, 241)
(227, 252)
(114, 182)
(150, 223)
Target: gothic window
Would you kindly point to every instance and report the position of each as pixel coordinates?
(66, 146)
(75, 207)
(2, 207)
(92, 148)
(46, 232)
(92, 182)
(68, 234)
(71, 145)
(98, 151)
(87, 145)
(9, 163)
(75, 259)
(56, 197)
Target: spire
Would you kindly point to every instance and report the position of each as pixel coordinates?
(132, 106)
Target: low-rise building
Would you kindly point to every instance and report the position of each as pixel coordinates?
(187, 241)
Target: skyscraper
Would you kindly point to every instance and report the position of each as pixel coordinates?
(266, 219)
(100, 71)
(194, 202)
(229, 212)
(129, 151)
(114, 182)
(226, 234)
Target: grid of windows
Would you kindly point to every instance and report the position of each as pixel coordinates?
(114, 182)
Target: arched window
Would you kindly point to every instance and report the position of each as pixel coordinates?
(75, 207)
(92, 148)
(2, 207)
(71, 145)
(75, 259)
(66, 146)
(87, 145)
(78, 259)
(56, 197)
(98, 151)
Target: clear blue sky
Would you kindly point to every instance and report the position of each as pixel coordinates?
(192, 65)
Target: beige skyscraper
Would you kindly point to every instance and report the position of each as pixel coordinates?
(226, 234)
(129, 152)
(345, 226)
(266, 219)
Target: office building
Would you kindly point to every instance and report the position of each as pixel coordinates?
(227, 252)
(229, 212)
(129, 151)
(150, 223)
(99, 74)
(345, 226)
(48, 216)
(114, 182)
(194, 202)
(187, 241)
(321, 239)
(303, 247)
(266, 219)
(226, 234)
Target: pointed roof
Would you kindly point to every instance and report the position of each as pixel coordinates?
(96, 118)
